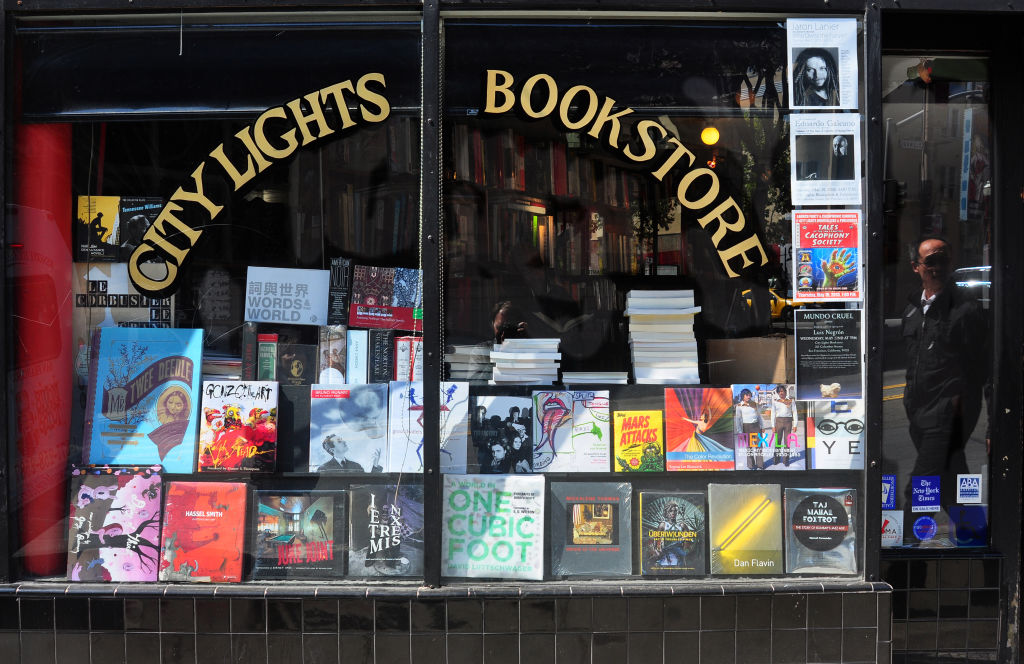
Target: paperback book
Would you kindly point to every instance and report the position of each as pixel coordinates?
(299, 535)
(238, 429)
(388, 297)
(502, 433)
(405, 428)
(203, 532)
(385, 530)
(109, 228)
(114, 524)
(572, 431)
(454, 416)
(745, 528)
(821, 534)
(673, 535)
(348, 428)
(333, 353)
(835, 434)
(296, 364)
(768, 427)
(699, 428)
(590, 529)
(639, 441)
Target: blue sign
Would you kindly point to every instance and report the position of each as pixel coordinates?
(888, 492)
(925, 493)
(925, 528)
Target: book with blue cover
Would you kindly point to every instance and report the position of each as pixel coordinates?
(141, 408)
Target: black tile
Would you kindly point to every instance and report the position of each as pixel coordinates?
(985, 574)
(107, 648)
(36, 613)
(789, 646)
(391, 616)
(177, 648)
(754, 611)
(609, 613)
(859, 645)
(141, 614)
(429, 649)
(982, 634)
(320, 615)
(923, 604)
(428, 615)
(984, 603)
(678, 643)
(883, 653)
(139, 647)
(824, 610)
(955, 573)
(71, 614)
(37, 647)
(682, 613)
(213, 616)
(177, 615)
(573, 615)
(570, 648)
(718, 647)
(536, 648)
(9, 613)
(320, 649)
(283, 648)
(952, 604)
(465, 615)
(74, 647)
(646, 647)
(609, 648)
(392, 648)
(537, 615)
(900, 599)
(501, 648)
(921, 635)
(899, 636)
(500, 616)
(860, 609)
(953, 634)
(355, 615)
(923, 574)
(356, 648)
(465, 648)
(884, 616)
(752, 646)
(646, 614)
(213, 648)
(248, 616)
(717, 612)
(284, 615)
(10, 645)
(249, 648)
(107, 615)
(894, 572)
(824, 646)
(789, 611)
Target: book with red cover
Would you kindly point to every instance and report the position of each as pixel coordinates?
(388, 297)
(203, 532)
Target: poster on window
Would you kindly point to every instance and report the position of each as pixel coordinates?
(286, 295)
(826, 255)
(825, 163)
(828, 354)
(822, 62)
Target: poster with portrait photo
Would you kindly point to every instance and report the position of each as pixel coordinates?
(826, 255)
(822, 62)
(825, 164)
(828, 354)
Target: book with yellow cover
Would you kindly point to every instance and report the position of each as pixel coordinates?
(746, 528)
(639, 441)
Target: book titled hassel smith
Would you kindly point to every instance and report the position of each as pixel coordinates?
(746, 528)
(385, 530)
(142, 394)
(204, 528)
(299, 535)
(820, 533)
(672, 533)
(590, 529)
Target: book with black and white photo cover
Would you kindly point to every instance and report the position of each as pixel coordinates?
(673, 533)
(348, 428)
(821, 533)
(299, 535)
(591, 533)
(501, 428)
(385, 530)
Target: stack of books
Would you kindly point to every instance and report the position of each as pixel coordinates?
(468, 362)
(595, 377)
(662, 346)
(525, 362)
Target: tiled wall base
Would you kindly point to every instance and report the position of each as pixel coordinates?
(741, 628)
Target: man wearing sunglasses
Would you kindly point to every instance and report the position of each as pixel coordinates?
(945, 335)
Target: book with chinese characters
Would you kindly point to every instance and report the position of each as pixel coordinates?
(238, 427)
(203, 532)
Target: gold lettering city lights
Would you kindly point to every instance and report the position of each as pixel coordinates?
(170, 237)
(538, 97)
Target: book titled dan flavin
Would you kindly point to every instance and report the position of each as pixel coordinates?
(299, 535)
(385, 530)
(389, 297)
(673, 533)
(698, 428)
(238, 428)
(142, 395)
(639, 441)
(114, 524)
(203, 533)
(746, 528)
(590, 529)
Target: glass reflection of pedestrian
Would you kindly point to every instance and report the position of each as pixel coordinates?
(815, 81)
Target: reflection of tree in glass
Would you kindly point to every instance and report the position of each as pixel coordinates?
(320, 519)
(126, 365)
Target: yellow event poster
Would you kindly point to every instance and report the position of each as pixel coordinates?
(639, 441)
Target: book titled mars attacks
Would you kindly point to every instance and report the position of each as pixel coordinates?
(141, 404)
(204, 529)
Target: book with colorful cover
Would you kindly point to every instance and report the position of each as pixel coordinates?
(109, 228)
(389, 297)
(745, 529)
(299, 535)
(639, 441)
(238, 427)
(502, 432)
(203, 532)
(348, 428)
(673, 533)
(698, 428)
(590, 528)
(333, 354)
(571, 431)
(142, 397)
(774, 439)
(405, 428)
(114, 524)
(454, 417)
(821, 533)
(385, 530)
(835, 434)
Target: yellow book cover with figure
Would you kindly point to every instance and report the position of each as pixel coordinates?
(639, 441)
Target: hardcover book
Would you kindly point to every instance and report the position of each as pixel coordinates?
(590, 529)
(385, 530)
(405, 428)
(698, 428)
(203, 532)
(109, 228)
(339, 291)
(572, 431)
(835, 434)
(356, 357)
(299, 535)
(821, 535)
(388, 297)
(639, 443)
(114, 524)
(454, 427)
(238, 428)
(493, 527)
(348, 428)
(381, 357)
(745, 528)
(673, 534)
(296, 364)
(332, 354)
(501, 430)
(142, 392)
(769, 428)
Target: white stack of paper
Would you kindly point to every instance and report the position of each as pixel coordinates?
(526, 362)
(662, 346)
(469, 362)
